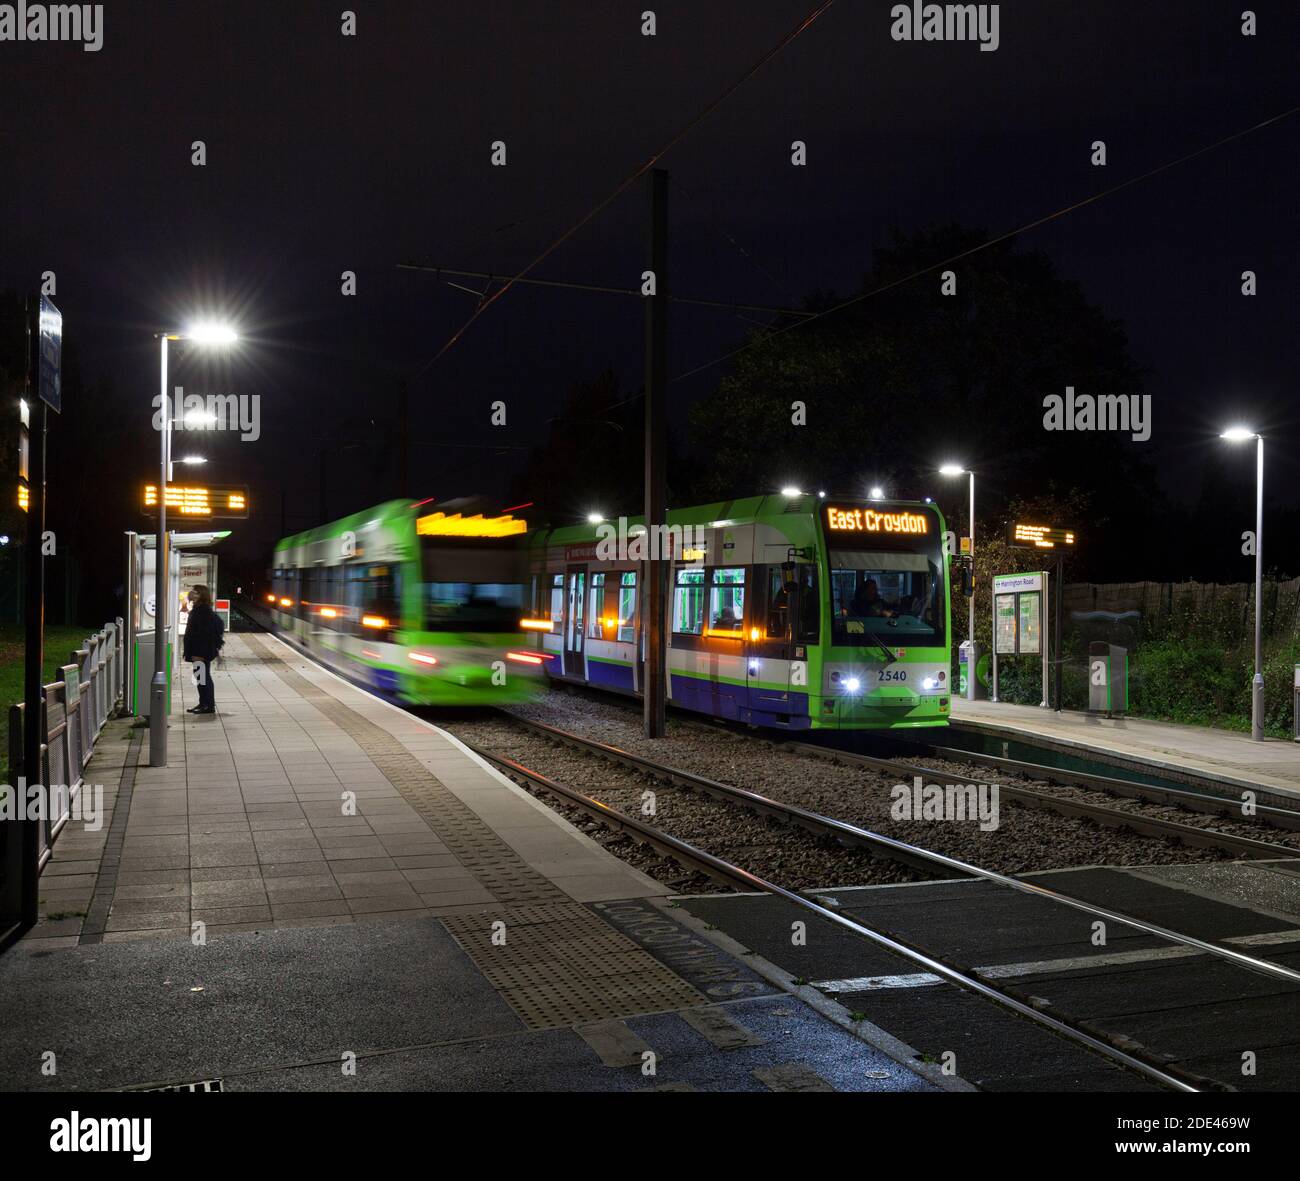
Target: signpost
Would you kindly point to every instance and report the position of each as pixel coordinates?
(1019, 613)
(48, 340)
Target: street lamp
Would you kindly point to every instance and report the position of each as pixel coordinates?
(194, 460)
(204, 334)
(594, 518)
(1242, 434)
(972, 653)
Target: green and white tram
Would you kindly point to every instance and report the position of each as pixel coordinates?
(419, 603)
(785, 611)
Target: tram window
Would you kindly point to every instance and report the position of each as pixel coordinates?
(727, 602)
(810, 608)
(557, 601)
(597, 614)
(688, 603)
(627, 607)
(778, 605)
(885, 593)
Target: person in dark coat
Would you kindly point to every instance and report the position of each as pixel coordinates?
(204, 637)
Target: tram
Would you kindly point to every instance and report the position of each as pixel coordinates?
(790, 612)
(418, 602)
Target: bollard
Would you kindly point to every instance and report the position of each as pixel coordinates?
(158, 721)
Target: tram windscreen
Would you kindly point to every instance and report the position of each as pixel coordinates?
(887, 596)
(472, 589)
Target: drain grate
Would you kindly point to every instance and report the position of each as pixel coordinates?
(561, 965)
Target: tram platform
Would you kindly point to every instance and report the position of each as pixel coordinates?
(322, 891)
(1193, 754)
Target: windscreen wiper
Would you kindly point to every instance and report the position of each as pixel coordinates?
(890, 657)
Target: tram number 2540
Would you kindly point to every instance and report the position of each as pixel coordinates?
(896, 674)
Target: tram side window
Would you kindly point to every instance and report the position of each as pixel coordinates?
(727, 602)
(380, 594)
(557, 601)
(810, 609)
(627, 606)
(778, 605)
(688, 603)
(596, 626)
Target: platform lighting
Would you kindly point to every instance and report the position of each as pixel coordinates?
(594, 518)
(790, 490)
(877, 492)
(821, 496)
(194, 460)
(950, 470)
(202, 333)
(1243, 434)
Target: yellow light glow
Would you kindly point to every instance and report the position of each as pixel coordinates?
(536, 625)
(692, 555)
(24, 497)
(442, 525)
(610, 623)
(270, 598)
(376, 621)
(755, 633)
(329, 613)
(727, 634)
(286, 602)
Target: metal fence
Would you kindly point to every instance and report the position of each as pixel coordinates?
(1227, 609)
(91, 688)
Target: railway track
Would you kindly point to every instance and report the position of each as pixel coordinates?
(1188, 834)
(740, 878)
(1227, 807)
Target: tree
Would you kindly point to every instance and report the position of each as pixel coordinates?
(908, 378)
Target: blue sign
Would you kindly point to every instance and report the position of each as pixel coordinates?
(51, 379)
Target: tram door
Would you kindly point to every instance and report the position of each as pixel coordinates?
(575, 596)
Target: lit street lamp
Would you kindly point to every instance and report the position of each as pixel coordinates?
(1242, 434)
(204, 334)
(956, 469)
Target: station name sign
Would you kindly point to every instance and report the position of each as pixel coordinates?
(1038, 536)
(875, 521)
(199, 500)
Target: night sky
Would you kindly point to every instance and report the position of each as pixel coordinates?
(328, 153)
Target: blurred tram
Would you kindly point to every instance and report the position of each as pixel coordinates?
(421, 603)
(782, 611)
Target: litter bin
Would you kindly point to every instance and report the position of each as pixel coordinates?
(142, 667)
(1107, 678)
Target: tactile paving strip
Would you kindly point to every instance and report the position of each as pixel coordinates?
(494, 864)
(562, 965)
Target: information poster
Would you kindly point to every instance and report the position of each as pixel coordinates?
(1005, 633)
(1030, 623)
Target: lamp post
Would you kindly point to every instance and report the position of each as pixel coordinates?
(1242, 434)
(202, 334)
(956, 469)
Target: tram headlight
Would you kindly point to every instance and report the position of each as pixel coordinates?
(929, 683)
(852, 685)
